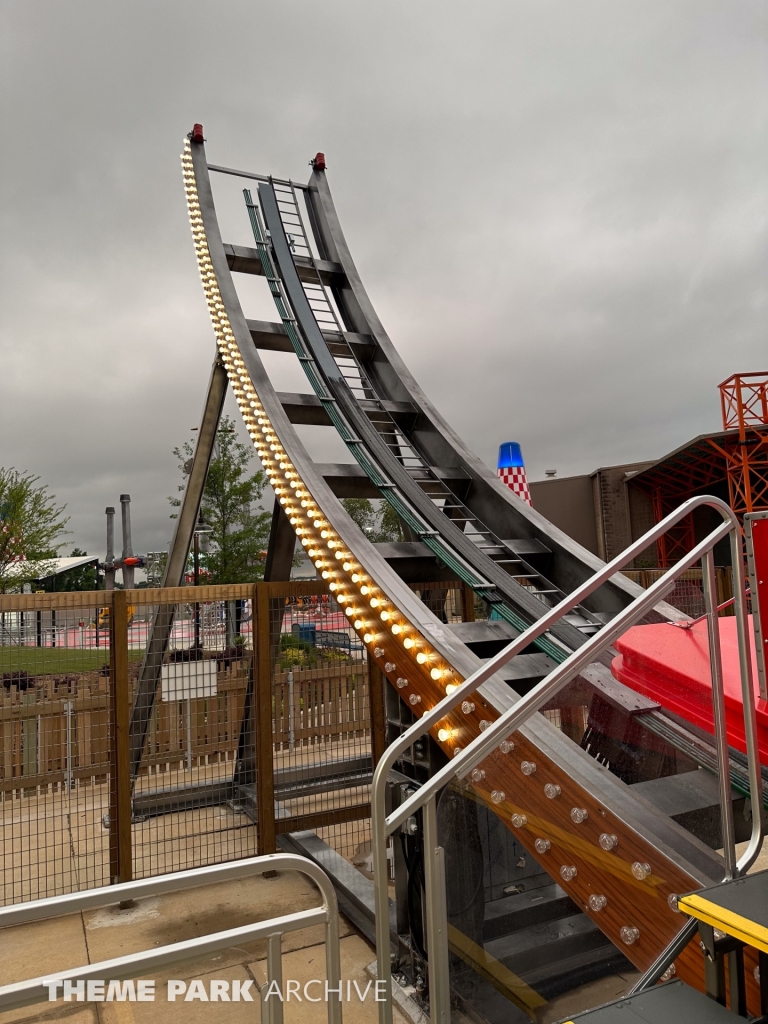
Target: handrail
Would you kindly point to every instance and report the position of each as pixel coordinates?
(36, 990)
(515, 717)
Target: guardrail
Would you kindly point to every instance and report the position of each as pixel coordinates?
(383, 826)
(35, 990)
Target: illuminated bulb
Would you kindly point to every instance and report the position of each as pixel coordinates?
(324, 533)
(384, 616)
(449, 688)
(672, 901)
(365, 590)
(477, 775)
(332, 586)
(568, 872)
(331, 544)
(349, 611)
(542, 845)
(369, 638)
(414, 699)
(629, 934)
(338, 554)
(375, 602)
(401, 683)
(390, 666)
(608, 841)
(408, 642)
(355, 575)
(359, 623)
(597, 903)
(444, 734)
(346, 566)
(498, 796)
(578, 815)
(396, 629)
(421, 657)
(325, 574)
(342, 598)
(641, 870)
(519, 820)
(319, 563)
(436, 673)
(506, 746)
(551, 790)
(467, 707)
(527, 767)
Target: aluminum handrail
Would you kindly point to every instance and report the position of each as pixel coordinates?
(516, 716)
(35, 990)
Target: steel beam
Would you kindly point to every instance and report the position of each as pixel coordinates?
(243, 259)
(175, 566)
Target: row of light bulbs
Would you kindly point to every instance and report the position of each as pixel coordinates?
(374, 616)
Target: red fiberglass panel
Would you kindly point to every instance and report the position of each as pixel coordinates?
(671, 665)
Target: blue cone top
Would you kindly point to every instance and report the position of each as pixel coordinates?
(510, 455)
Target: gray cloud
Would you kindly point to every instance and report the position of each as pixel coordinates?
(557, 207)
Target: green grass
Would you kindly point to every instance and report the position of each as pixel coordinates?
(44, 661)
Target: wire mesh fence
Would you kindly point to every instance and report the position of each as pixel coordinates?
(56, 729)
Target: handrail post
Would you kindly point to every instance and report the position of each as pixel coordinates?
(274, 1005)
(718, 708)
(381, 882)
(437, 919)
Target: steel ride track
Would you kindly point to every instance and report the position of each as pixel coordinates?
(455, 510)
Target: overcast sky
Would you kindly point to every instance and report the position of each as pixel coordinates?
(557, 206)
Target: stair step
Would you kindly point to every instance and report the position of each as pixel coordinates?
(661, 1004)
(738, 908)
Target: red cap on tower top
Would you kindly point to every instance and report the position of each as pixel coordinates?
(319, 162)
(197, 133)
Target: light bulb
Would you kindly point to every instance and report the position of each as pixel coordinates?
(597, 903)
(369, 637)
(449, 688)
(374, 602)
(519, 820)
(498, 796)
(568, 872)
(402, 683)
(346, 566)
(359, 623)
(435, 673)
(396, 628)
(355, 577)
(378, 652)
(477, 775)
(629, 934)
(408, 642)
(579, 815)
(389, 666)
(365, 590)
(672, 901)
(506, 746)
(527, 767)
(349, 611)
(421, 657)
(467, 707)
(551, 790)
(641, 870)
(542, 845)
(384, 616)
(608, 841)
(415, 699)
(444, 734)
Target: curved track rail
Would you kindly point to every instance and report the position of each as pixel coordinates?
(453, 506)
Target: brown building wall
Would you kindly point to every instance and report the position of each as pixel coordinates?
(568, 504)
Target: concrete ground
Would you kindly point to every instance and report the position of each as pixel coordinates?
(44, 947)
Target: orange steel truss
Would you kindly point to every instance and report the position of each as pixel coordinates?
(744, 405)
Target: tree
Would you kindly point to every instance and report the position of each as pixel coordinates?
(380, 525)
(236, 546)
(31, 529)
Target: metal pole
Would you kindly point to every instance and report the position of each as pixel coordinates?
(196, 563)
(274, 1004)
(437, 919)
(718, 707)
(128, 570)
(109, 564)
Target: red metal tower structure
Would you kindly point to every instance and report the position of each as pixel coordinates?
(744, 405)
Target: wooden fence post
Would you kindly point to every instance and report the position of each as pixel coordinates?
(262, 717)
(468, 602)
(121, 856)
